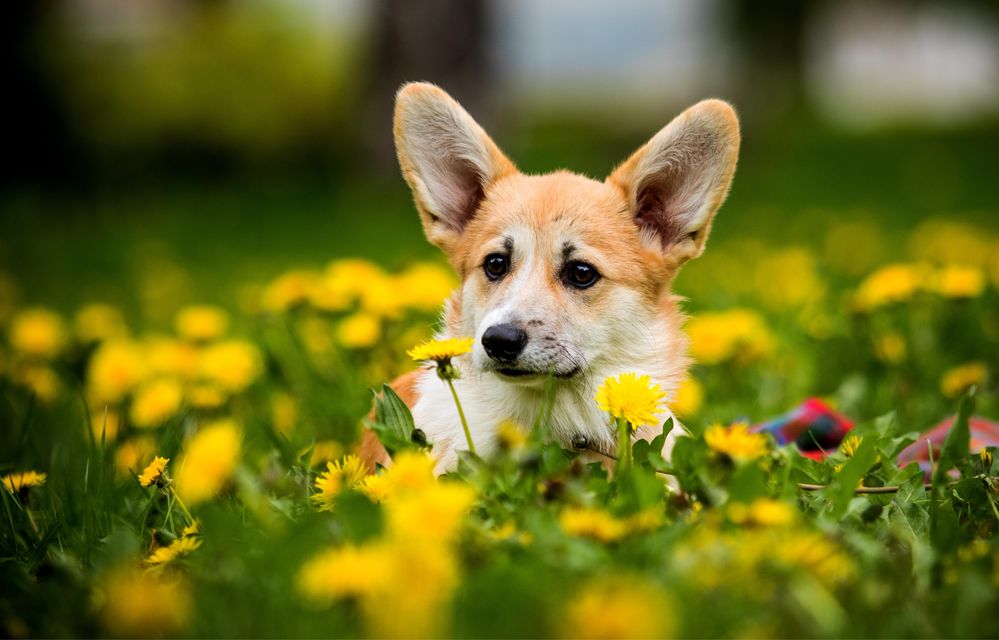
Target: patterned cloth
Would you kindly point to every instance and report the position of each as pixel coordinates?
(817, 430)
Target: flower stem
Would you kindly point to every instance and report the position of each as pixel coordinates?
(623, 443)
(183, 507)
(461, 414)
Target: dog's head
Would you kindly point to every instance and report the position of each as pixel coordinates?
(561, 273)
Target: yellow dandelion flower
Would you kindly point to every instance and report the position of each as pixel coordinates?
(590, 522)
(631, 397)
(736, 442)
(40, 379)
(850, 445)
(206, 396)
(138, 604)
(233, 364)
(284, 413)
(347, 473)
(156, 402)
(890, 348)
(441, 351)
(511, 435)
(425, 285)
(360, 330)
(344, 571)
(736, 334)
(99, 322)
(208, 461)
(154, 473)
(889, 284)
(201, 323)
(689, 398)
(433, 515)
(288, 291)
(115, 369)
(130, 456)
(766, 512)
(105, 424)
(322, 451)
(38, 333)
(193, 529)
(172, 358)
(411, 471)
(959, 281)
(177, 549)
(382, 297)
(959, 379)
(23, 480)
(619, 607)
(377, 487)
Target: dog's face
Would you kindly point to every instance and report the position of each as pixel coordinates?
(561, 273)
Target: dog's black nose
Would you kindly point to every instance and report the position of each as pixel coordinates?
(504, 342)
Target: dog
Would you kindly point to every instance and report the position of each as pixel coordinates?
(561, 275)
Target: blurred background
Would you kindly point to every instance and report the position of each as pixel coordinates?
(201, 145)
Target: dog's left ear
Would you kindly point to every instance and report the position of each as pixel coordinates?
(677, 181)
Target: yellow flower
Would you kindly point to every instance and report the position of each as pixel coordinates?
(153, 473)
(284, 413)
(631, 397)
(959, 379)
(208, 461)
(959, 281)
(377, 487)
(890, 348)
(511, 435)
(889, 284)
(787, 278)
(382, 297)
(323, 451)
(106, 425)
(23, 480)
(590, 522)
(736, 442)
(178, 548)
(201, 323)
(193, 529)
(425, 285)
(205, 396)
(344, 571)
(763, 512)
(99, 322)
(947, 241)
(619, 607)
(232, 364)
(689, 398)
(289, 290)
(850, 445)
(433, 515)
(359, 331)
(156, 402)
(441, 351)
(114, 370)
(139, 604)
(170, 357)
(736, 334)
(411, 471)
(38, 378)
(346, 473)
(985, 455)
(131, 454)
(38, 333)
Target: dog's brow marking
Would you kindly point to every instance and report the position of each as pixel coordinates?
(567, 250)
(508, 244)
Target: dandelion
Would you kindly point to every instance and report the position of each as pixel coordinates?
(288, 291)
(233, 365)
(633, 401)
(432, 515)
(689, 398)
(22, 481)
(590, 522)
(105, 424)
(177, 549)
(193, 529)
(511, 435)
(208, 461)
(156, 402)
(425, 285)
(131, 454)
(359, 331)
(890, 348)
(850, 445)
(322, 451)
(890, 284)
(140, 604)
(201, 323)
(619, 607)
(736, 334)
(39, 379)
(99, 322)
(284, 413)
(115, 369)
(736, 442)
(441, 352)
(959, 281)
(344, 571)
(206, 396)
(38, 333)
(171, 358)
(763, 512)
(154, 473)
(346, 473)
(376, 487)
(959, 379)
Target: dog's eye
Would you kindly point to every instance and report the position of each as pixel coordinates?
(496, 266)
(580, 274)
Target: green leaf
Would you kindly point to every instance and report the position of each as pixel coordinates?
(844, 484)
(393, 423)
(956, 448)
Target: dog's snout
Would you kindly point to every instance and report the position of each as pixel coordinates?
(504, 342)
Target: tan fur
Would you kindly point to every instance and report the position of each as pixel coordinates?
(638, 227)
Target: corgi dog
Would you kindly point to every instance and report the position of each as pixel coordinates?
(560, 274)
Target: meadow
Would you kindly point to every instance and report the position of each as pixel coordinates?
(182, 390)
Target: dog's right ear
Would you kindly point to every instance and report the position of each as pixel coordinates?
(447, 159)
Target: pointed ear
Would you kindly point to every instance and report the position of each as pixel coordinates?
(677, 181)
(447, 159)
